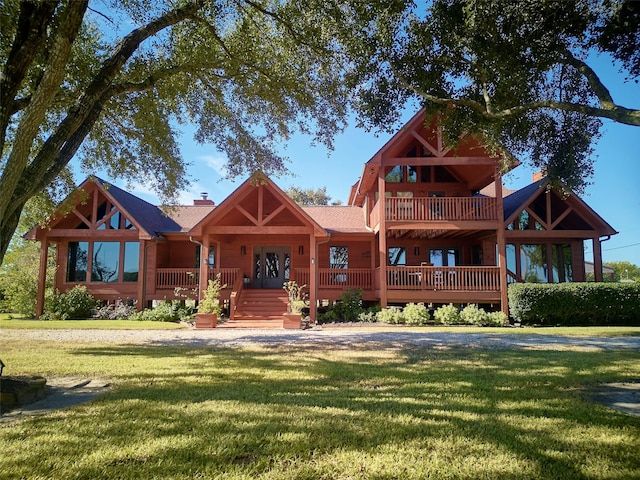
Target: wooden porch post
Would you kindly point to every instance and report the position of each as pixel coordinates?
(597, 259)
(42, 275)
(142, 275)
(502, 247)
(203, 273)
(313, 278)
(382, 244)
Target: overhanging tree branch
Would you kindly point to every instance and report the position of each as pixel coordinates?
(614, 112)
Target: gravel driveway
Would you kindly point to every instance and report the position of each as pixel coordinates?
(343, 336)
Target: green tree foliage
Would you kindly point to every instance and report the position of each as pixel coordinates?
(110, 84)
(624, 270)
(310, 196)
(19, 278)
(517, 74)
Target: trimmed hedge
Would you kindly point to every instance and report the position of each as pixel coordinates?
(576, 304)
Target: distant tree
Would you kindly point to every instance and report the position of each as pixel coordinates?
(19, 277)
(515, 73)
(625, 270)
(311, 196)
(247, 73)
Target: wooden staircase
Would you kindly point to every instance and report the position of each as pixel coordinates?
(259, 308)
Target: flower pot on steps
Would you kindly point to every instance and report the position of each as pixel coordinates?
(292, 320)
(206, 320)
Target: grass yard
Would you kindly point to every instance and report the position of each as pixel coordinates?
(305, 413)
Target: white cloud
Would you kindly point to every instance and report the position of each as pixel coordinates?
(215, 163)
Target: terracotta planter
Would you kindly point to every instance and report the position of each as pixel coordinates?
(292, 320)
(206, 320)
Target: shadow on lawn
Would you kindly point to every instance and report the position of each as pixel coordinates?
(253, 411)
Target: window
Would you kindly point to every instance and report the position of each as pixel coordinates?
(412, 174)
(394, 175)
(131, 262)
(212, 256)
(105, 260)
(442, 175)
(561, 263)
(397, 256)
(444, 257)
(339, 259)
(78, 255)
(533, 263)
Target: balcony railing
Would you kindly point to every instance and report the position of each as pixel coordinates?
(471, 279)
(170, 278)
(337, 278)
(437, 209)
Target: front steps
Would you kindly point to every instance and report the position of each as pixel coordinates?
(259, 308)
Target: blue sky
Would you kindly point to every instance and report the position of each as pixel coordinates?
(614, 193)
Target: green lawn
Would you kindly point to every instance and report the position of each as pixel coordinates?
(283, 413)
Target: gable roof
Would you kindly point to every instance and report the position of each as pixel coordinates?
(146, 216)
(258, 179)
(519, 200)
(338, 218)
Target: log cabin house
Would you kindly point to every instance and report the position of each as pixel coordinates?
(424, 223)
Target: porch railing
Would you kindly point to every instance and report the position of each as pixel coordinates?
(228, 276)
(437, 209)
(337, 278)
(170, 278)
(476, 279)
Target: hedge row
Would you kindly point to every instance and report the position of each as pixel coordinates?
(575, 303)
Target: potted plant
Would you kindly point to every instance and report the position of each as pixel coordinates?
(209, 306)
(295, 303)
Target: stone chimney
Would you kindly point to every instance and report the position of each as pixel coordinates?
(204, 200)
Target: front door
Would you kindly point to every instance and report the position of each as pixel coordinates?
(271, 267)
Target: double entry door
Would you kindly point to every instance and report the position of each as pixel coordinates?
(271, 266)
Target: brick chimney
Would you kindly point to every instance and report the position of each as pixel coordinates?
(204, 200)
(539, 175)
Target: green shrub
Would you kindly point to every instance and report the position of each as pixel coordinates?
(119, 311)
(390, 315)
(76, 303)
(347, 309)
(447, 315)
(165, 311)
(370, 314)
(575, 303)
(472, 315)
(497, 319)
(416, 314)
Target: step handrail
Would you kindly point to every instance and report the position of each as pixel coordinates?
(235, 295)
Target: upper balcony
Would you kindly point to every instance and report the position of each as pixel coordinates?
(437, 212)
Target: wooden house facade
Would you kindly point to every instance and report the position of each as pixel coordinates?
(424, 223)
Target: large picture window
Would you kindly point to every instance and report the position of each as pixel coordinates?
(533, 262)
(131, 262)
(77, 257)
(105, 261)
(561, 262)
(108, 261)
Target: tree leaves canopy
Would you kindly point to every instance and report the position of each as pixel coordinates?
(515, 73)
(247, 73)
